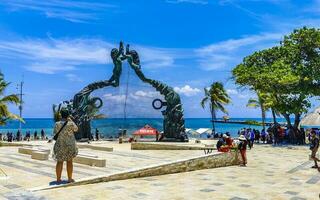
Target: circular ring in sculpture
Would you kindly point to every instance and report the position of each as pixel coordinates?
(157, 104)
(95, 100)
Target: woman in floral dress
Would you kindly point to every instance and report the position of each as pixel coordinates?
(65, 148)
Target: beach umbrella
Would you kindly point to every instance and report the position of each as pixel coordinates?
(146, 130)
(311, 119)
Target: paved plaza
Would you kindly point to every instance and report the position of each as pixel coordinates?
(272, 173)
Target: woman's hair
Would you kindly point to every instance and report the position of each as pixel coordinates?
(64, 113)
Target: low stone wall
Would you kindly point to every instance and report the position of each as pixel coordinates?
(202, 162)
(12, 144)
(95, 147)
(159, 146)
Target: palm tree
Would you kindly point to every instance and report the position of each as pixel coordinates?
(217, 97)
(259, 103)
(5, 114)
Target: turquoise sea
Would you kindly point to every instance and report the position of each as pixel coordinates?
(110, 127)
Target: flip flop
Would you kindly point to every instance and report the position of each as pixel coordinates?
(315, 167)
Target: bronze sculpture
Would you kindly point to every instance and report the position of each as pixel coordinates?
(83, 107)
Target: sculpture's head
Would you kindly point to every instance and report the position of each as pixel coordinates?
(114, 53)
(135, 57)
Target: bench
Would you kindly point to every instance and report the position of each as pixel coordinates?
(208, 148)
(91, 160)
(40, 155)
(29, 150)
(25, 150)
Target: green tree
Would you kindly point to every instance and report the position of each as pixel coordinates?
(217, 97)
(5, 114)
(288, 73)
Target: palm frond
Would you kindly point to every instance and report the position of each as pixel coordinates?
(10, 99)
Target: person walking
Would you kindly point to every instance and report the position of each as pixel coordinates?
(43, 135)
(314, 146)
(65, 148)
(97, 134)
(243, 149)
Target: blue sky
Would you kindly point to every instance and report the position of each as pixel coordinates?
(60, 46)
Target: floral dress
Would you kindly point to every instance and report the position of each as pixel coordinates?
(65, 148)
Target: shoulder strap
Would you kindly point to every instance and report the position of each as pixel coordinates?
(56, 135)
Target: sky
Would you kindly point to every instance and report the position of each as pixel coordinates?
(58, 47)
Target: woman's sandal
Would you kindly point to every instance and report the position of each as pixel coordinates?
(71, 181)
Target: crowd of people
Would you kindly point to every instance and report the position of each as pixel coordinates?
(10, 136)
(275, 136)
(278, 135)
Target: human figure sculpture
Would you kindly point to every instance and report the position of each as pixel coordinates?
(82, 107)
(173, 124)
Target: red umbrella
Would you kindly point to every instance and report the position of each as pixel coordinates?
(146, 130)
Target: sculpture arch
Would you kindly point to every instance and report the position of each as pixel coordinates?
(82, 106)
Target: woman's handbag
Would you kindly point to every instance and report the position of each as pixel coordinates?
(55, 137)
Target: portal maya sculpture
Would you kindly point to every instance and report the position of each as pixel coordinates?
(83, 108)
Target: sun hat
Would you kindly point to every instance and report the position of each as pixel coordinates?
(224, 135)
(242, 137)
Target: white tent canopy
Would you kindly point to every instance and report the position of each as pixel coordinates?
(311, 119)
(203, 130)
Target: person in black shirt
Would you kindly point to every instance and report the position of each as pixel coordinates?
(97, 135)
(314, 146)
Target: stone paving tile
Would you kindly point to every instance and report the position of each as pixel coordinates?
(238, 198)
(12, 186)
(217, 184)
(207, 190)
(292, 193)
(42, 165)
(303, 165)
(297, 198)
(296, 183)
(245, 185)
(27, 169)
(314, 179)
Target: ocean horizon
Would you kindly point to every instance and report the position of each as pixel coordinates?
(111, 126)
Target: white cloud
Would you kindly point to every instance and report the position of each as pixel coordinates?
(115, 98)
(48, 68)
(226, 54)
(74, 11)
(187, 90)
(57, 55)
(232, 91)
(73, 78)
(53, 56)
(148, 94)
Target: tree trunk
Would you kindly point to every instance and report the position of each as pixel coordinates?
(296, 120)
(274, 116)
(296, 131)
(287, 117)
(263, 115)
(213, 117)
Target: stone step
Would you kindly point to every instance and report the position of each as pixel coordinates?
(40, 155)
(95, 147)
(90, 160)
